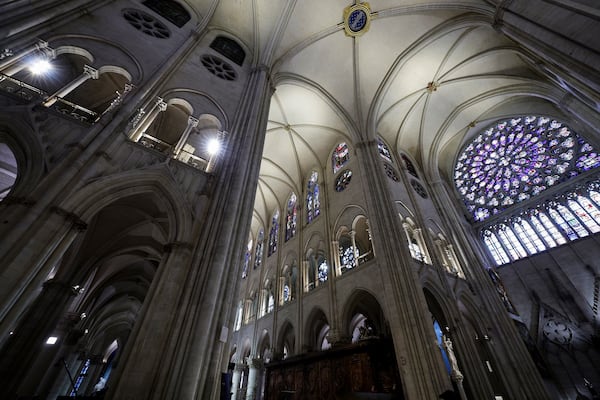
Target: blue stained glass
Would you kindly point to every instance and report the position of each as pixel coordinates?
(258, 252)
(507, 163)
(290, 221)
(313, 204)
(273, 234)
(384, 151)
(323, 271)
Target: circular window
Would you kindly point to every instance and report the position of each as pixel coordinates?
(418, 188)
(343, 180)
(389, 171)
(517, 159)
(218, 67)
(146, 23)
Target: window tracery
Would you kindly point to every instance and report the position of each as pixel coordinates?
(384, 150)
(258, 252)
(317, 271)
(273, 234)
(566, 218)
(290, 219)
(340, 156)
(247, 257)
(343, 180)
(347, 254)
(313, 204)
(516, 160)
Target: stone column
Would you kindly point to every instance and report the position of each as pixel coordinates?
(48, 244)
(335, 262)
(146, 120)
(148, 352)
(235, 380)
(88, 73)
(420, 365)
(28, 342)
(10, 65)
(254, 367)
(191, 124)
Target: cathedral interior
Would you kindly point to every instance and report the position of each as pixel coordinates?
(284, 199)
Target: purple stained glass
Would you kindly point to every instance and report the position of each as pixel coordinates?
(517, 159)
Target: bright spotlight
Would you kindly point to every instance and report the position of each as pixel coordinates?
(51, 340)
(40, 66)
(213, 146)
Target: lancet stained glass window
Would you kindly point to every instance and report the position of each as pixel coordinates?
(341, 155)
(384, 151)
(517, 159)
(247, 257)
(273, 234)
(313, 204)
(566, 217)
(290, 219)
(258, 252)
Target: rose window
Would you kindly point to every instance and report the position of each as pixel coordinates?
(516, 160)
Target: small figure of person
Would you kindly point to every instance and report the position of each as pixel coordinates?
(100, 385)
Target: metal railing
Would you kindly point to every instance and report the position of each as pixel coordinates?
(21, 90)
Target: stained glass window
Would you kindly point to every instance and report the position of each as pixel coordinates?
(323, 270)
(543, 232)
(533, 236)
(409, 166)
(286, 293)
(273, 234)
(341, 155)
(343, 180)
(518, 229)
(313, 204)
(583, 215)
(80, 377)
(495, 248)
(247, 257)
(565, 218)
(589, 207)
(258, 252)
(513, 246)
(384, 151)
(560, 239)
(571, 220)
(595, 196)
(290, 219)
(516, 159)
(389, 171)
(347, 254)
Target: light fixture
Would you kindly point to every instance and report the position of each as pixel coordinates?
(213, 147)
(51, 340)
(40, 66)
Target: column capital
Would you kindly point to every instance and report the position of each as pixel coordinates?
(239, 366)
(161, 104)
(257, 363)
(90, 71)
(192, 121)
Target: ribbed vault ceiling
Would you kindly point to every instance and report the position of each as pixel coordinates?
(426, 76)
